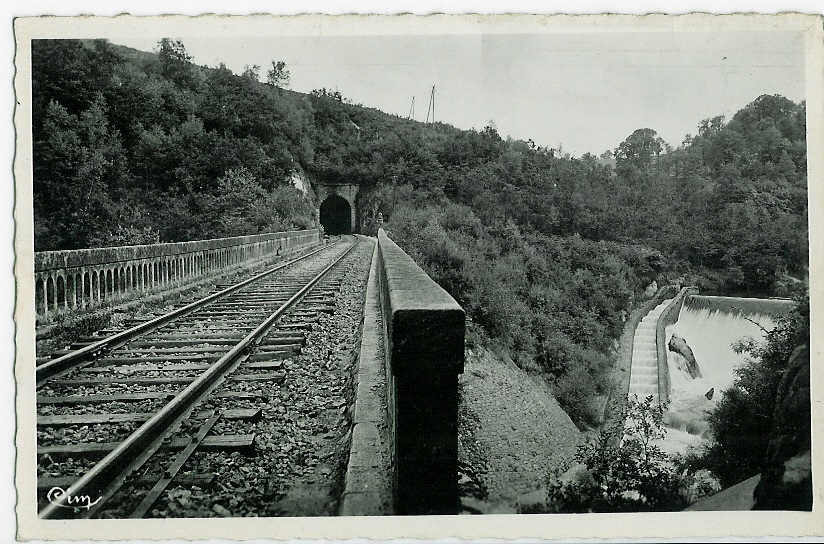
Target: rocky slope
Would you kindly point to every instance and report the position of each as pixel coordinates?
(512, 432)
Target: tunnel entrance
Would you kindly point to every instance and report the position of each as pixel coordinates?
(336, 215)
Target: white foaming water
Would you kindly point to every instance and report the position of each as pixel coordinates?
(710, 333)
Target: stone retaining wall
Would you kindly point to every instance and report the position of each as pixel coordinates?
(82, 278)
(424, 354)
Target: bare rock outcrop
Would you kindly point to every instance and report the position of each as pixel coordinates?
(679, 345)
(786, 477)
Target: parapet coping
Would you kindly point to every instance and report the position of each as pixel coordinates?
(75, 258)
(409, 287)
(368, 480)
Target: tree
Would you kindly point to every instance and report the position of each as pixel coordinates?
(81, 165)
(278, 75)
(638, 149)
(175, 62)
(251, 72)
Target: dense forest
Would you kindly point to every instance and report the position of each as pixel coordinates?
(547, 252)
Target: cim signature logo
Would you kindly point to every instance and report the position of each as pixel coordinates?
(56, 497)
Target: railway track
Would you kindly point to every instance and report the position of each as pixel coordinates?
(122, 419)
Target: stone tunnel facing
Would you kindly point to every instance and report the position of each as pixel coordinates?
(336, 215)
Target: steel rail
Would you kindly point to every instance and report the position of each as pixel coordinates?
(108, 475)
(66, 362)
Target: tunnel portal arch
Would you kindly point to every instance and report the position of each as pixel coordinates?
(336, 215)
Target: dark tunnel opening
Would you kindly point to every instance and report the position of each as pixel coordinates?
(336, 215)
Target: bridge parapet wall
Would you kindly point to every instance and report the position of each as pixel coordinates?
(66, 280)
(424, 345)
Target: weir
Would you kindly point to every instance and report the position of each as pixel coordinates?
(711, 326)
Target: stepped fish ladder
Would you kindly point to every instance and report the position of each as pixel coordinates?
(643, 379)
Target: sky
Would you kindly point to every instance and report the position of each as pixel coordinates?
(583, 92)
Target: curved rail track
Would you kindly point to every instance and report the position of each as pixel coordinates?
(146, 398)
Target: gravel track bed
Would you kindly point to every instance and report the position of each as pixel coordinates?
(227, 403)
(112, 388)
(303, 437)
(126, 502)
(69, 466)
(114, 407)
(225, 426)
(122, 371)
(74, 434)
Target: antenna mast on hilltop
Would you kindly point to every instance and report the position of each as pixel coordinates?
(431, 105)
(412, 110)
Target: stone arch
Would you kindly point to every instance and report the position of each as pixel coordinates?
(70, 289)
(109, 282)
(78, 289)
(50, 294)
(87, 288)
(40, 297)
(61, 292)
(96, 294)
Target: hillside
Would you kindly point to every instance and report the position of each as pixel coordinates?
(547, 252)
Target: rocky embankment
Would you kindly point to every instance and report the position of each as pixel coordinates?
(511, 433)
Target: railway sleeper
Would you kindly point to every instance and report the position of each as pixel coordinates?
(241, 414)
(208, 336)
(275, 346)
(213, 345)
(124, 369)
(135, 397)
(244, 443)
(269, 356)
(249, 314)
(183, 342)
(241, 332)
(246, 302)
(119, 359)
(182, 349)
(276, 377)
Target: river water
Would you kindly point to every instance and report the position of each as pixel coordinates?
(710, 326)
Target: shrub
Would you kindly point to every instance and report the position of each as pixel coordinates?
(624, 470)
(127, 236)
(70, 327)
